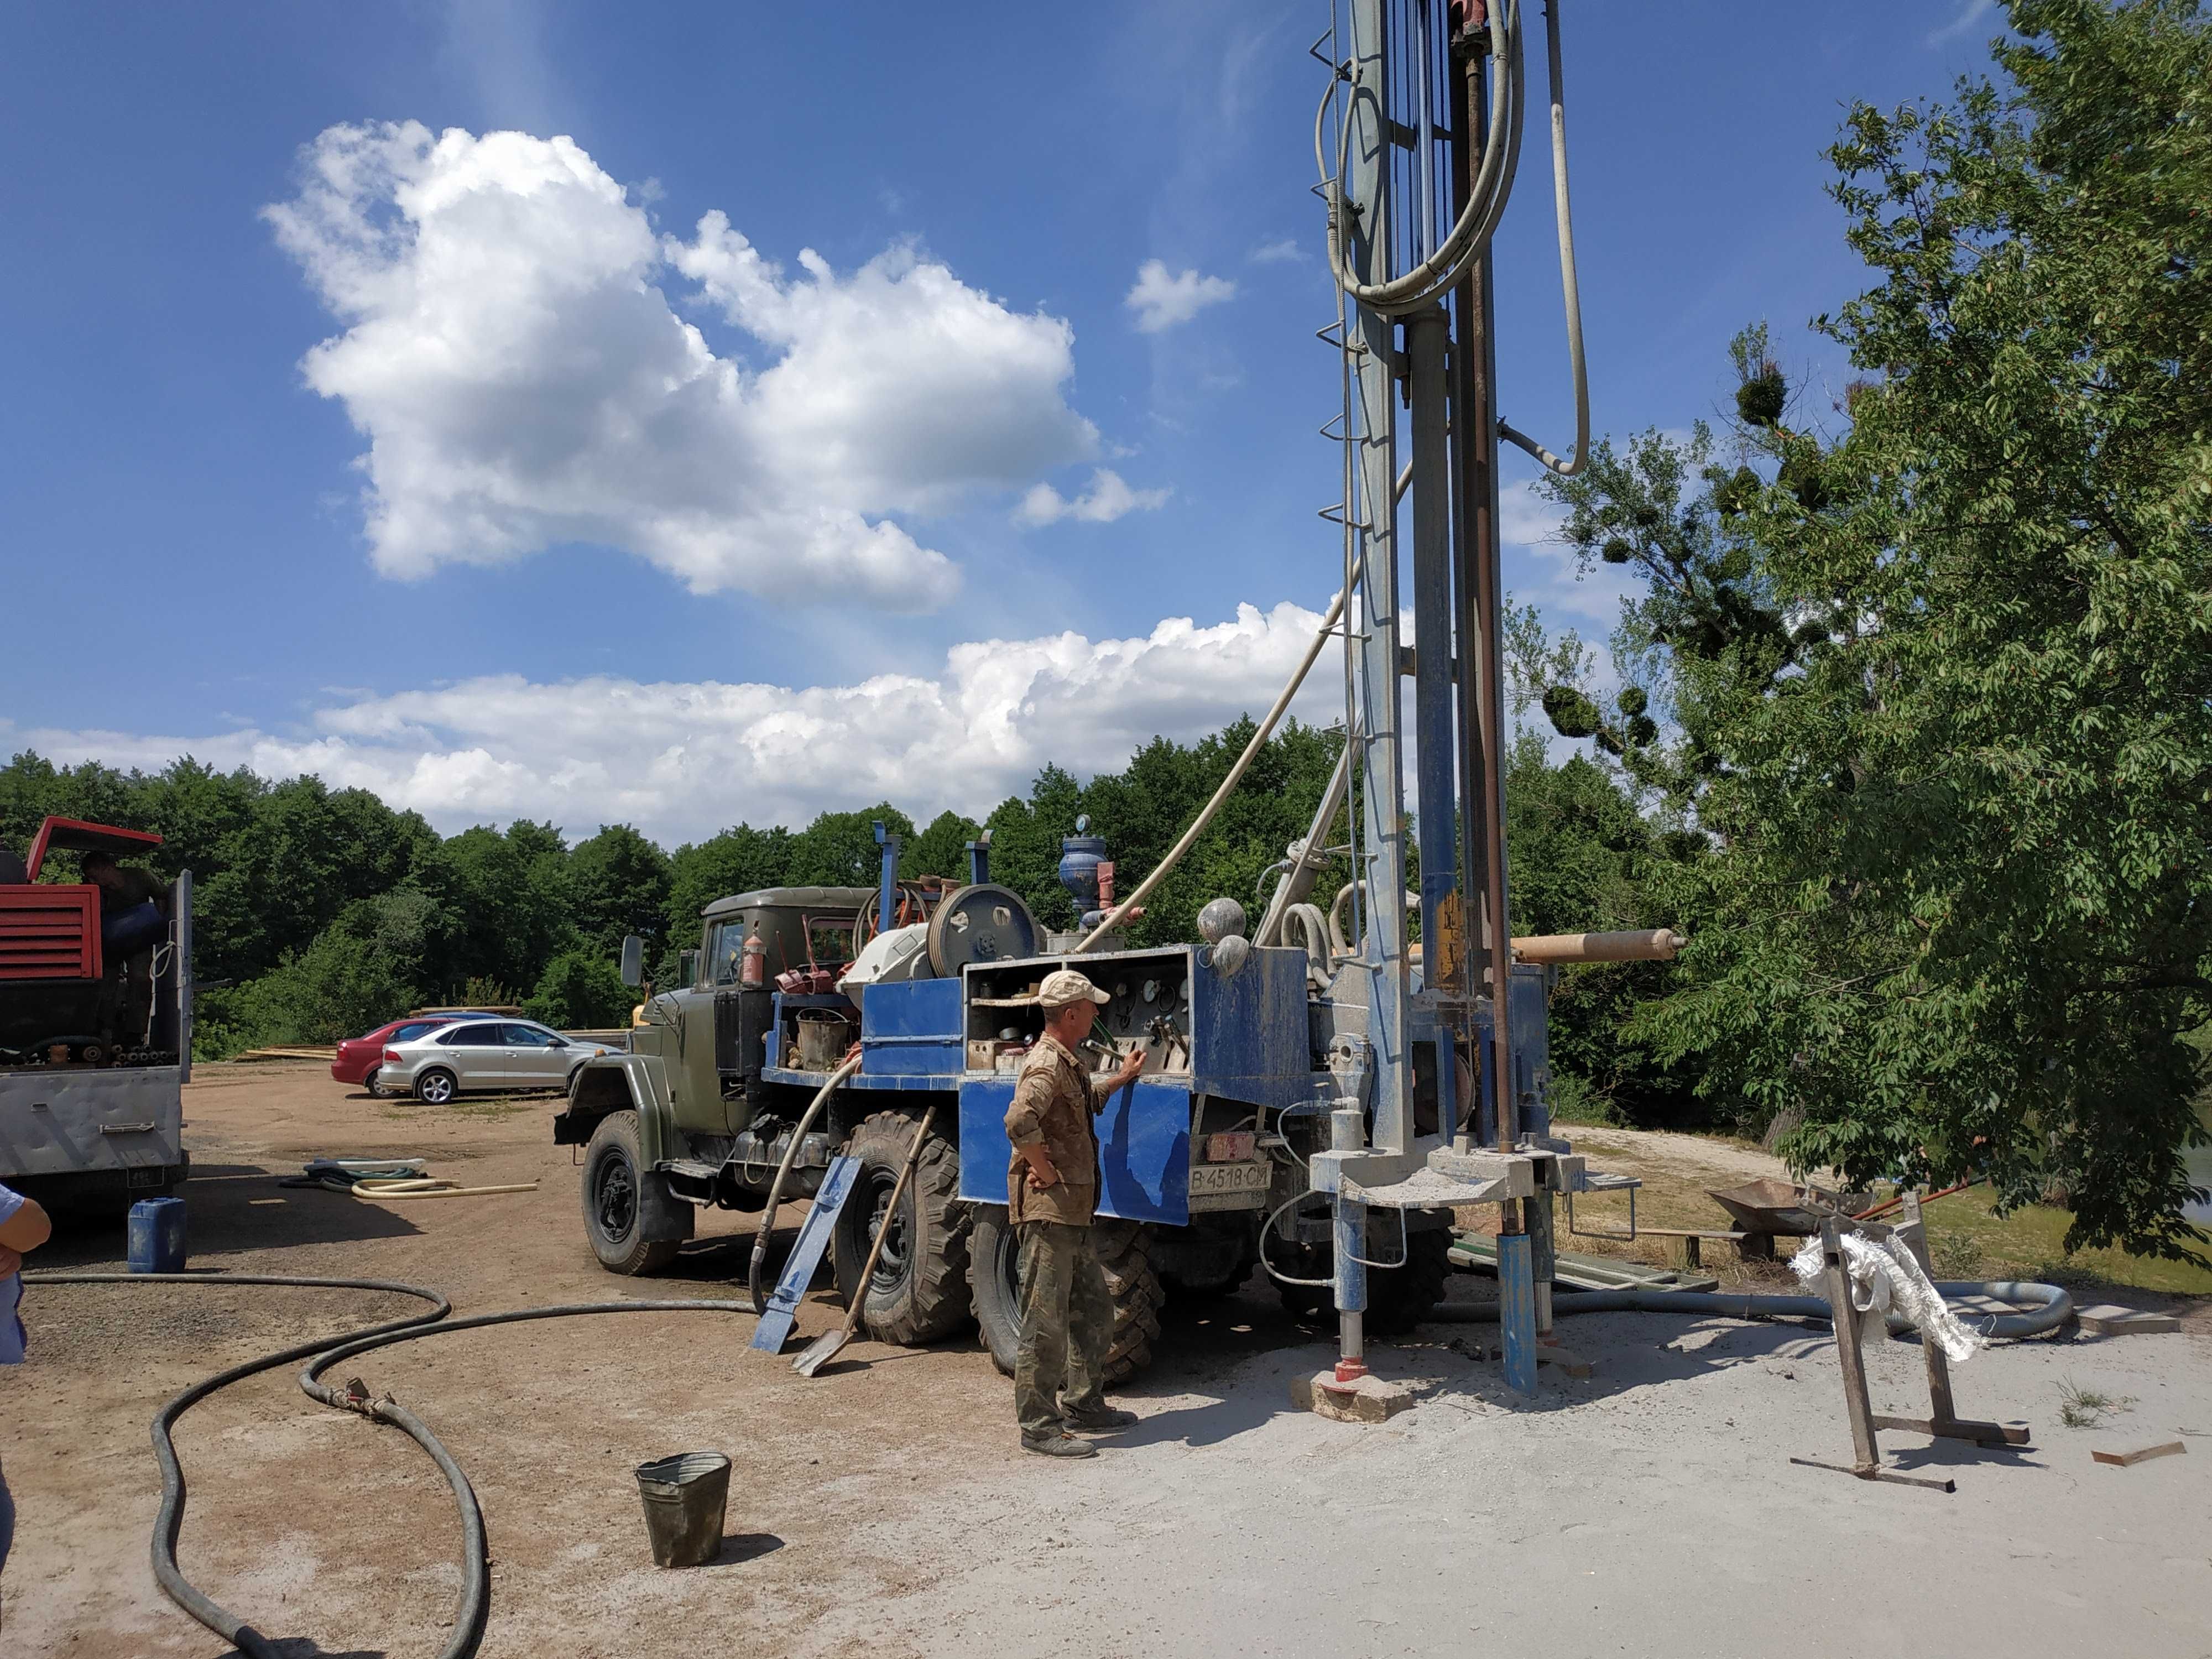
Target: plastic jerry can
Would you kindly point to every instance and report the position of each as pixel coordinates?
(157, 1236)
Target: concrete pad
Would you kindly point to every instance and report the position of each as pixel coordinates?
(2109, 1319)
(1371, 1399)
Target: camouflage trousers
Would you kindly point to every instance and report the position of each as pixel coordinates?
(1067, 1324)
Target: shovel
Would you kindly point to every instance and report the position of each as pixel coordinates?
(828, 1345)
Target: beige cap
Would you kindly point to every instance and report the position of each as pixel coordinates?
(1066, 986)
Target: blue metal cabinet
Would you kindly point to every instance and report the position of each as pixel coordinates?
(1144, 1148)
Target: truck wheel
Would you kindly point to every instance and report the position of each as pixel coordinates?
(1124, 1251)
(1210, 1259)
(1398, 1298)
(918, 1291)
(634, 1223)
(434, 1087)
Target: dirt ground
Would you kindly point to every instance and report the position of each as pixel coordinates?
(1649, 1509)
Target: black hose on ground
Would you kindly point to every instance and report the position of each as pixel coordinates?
(474, 1602)
(2049, 1306)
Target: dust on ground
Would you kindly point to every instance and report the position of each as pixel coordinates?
(1649, 1509)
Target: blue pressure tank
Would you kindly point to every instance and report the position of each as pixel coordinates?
(157, 1236)
(1080, 855)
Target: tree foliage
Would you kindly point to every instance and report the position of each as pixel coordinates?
(1938, 686)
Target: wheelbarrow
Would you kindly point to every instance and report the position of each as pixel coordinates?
(1763, 1208)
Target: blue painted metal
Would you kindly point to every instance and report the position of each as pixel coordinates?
(1249, 1040)
(978, 860)
(887, 885)
(1525, 1018)
(1517, 1310)
(913, 1028)
(1532, 1057)
(894, 1083)
(1144, 1148)
(774, 1329)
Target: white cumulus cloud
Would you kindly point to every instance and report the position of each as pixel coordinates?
(1162, 300)
(682, 760)
(1107, 500)
(512, 354)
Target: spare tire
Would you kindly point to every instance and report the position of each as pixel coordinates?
(1124, 1253)
(919, 1291)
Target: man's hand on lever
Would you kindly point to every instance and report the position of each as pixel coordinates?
(1132, 1064)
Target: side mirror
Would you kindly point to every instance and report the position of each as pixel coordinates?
(632, 961)
(687, 968)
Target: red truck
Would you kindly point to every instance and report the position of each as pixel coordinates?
(95, 1027)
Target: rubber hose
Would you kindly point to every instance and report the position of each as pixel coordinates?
(473, 1604)
(2050, 1306)
(755, 1280)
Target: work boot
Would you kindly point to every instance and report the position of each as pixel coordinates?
(1101, 1419)
(1059, 1445)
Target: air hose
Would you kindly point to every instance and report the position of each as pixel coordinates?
(474, 1601)
(755, 1269)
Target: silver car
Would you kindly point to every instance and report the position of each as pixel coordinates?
(481, 1055)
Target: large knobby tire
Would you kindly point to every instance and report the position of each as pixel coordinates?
(919, 1291)
(1398, 1298)
(635, 1225)
(1124, 1253)
(1213, 1260)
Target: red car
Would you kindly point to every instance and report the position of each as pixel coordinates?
(359, 1057)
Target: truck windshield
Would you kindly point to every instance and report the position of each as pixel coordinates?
(725, 949)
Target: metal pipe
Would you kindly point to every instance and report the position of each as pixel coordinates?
(1297, 883)
(1435, 799)
(1643, 944)
(1378, 727)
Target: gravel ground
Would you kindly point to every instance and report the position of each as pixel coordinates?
(1649, 1509)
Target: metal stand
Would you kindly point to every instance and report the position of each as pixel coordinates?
(1943, 1421)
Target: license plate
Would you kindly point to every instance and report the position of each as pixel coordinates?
(1228, 1186)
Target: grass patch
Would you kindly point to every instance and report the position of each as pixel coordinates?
(1967, 1238)
(2085, 1408)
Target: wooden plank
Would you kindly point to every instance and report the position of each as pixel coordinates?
(1914, 1231)
(1876, 1471)
(1851, 1360)
(2141, 1454)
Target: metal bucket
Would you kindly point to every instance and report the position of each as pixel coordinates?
(685, 1497)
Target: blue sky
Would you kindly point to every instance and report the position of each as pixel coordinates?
(839, 561)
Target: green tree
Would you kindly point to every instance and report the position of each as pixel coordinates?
(580, 990)
(1959, 919)
(839, 849)
(619, 885)
(740, 860)
(940, 849)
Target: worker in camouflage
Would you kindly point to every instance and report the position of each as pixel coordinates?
(1052, 1192)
